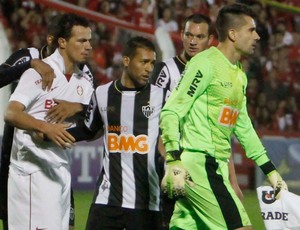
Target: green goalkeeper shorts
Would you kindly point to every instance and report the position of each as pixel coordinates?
(210, 201)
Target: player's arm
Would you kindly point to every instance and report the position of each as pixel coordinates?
(13, 73)
(93, 124)
(17, 117)
(233, 179)
(63, 110)
(194, 82)
(181, 100)
(160, 76)
(254, 149)
(20, 61)
(46, 72)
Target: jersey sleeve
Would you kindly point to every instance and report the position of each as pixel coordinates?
(160, 76)
(28, 89)
(9, 74)
(193, 84)
(248, 138)
(12, 69)
(93, 120)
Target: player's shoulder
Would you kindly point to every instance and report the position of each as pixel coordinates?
(205, 58)
(240, 66)
(105, 87)
(86, 70)
(170, 61)
(29, 76)
(87, 73)
(161, 73)
(165, 63)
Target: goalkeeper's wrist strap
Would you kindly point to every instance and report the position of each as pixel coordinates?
(268, 167)
(173, 156)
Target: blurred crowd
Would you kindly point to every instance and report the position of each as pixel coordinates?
(273, 71)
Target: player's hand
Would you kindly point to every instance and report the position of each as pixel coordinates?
(62, 110)
(58, 134)
(173, 182)
(277, 183)
(46, 72)
(37, 136)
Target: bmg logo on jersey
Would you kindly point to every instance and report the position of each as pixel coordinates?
(127, 143)
(49, 103)
(228, 116)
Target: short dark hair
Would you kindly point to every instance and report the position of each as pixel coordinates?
(137, 42)
(231, 16)
(66, 23)
(199, 18)
(52, 25)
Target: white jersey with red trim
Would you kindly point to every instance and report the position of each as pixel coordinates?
(27, 155)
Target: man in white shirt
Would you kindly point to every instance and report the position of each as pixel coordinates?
(39, 177)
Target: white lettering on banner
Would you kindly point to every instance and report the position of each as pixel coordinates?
(86, 153)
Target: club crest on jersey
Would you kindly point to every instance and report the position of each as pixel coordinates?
(147, 110)
(79, 90)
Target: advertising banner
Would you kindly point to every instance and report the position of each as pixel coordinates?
(86, 163)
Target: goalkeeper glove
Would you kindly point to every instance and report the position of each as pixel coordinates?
(277, 183)
(174, 179)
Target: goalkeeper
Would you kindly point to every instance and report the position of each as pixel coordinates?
(210, 104)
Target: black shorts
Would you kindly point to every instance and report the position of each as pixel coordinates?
(109, 217)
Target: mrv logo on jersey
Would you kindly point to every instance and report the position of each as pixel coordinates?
(195, 83)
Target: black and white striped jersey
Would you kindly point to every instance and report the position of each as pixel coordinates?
(130, 120)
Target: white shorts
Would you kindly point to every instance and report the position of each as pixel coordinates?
(40, 200)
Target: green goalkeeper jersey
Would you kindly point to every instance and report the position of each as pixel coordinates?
(210, 104)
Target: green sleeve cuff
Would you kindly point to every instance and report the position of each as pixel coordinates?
(171, 146)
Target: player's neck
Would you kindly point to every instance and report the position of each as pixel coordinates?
(229, 52)
(184, 57)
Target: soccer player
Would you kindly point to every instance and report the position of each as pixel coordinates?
(210, 99)
(196, 36)
(10, 71)
(39, 174)
(127, 110)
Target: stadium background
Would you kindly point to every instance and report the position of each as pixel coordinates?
(273, 72)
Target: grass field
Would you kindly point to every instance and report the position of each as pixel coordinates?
(84, 198)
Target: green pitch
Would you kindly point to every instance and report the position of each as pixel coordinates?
(83, 200)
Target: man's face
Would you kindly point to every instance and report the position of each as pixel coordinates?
(195, 38)
(78, 47)
(246, 37)
(139, 67)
